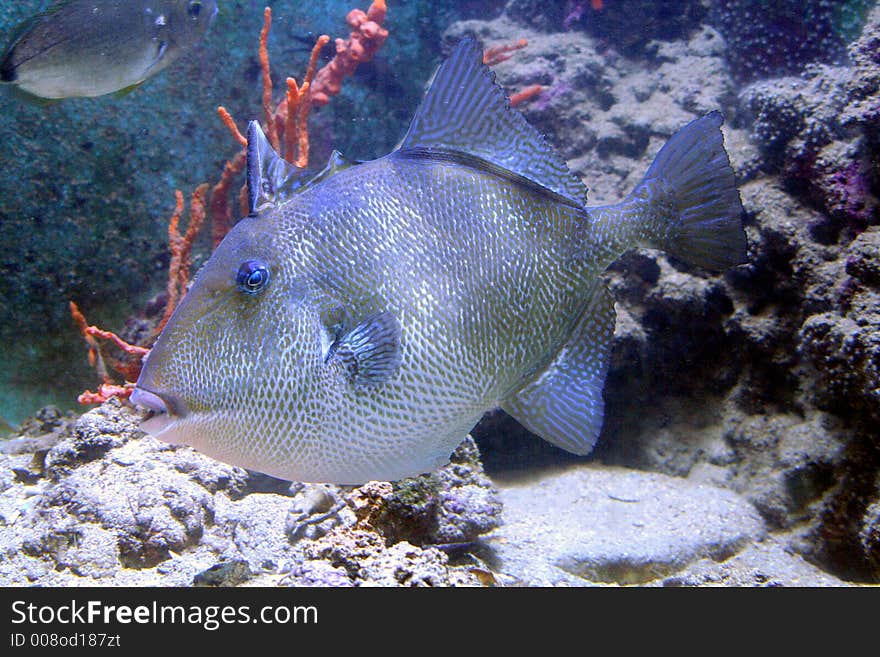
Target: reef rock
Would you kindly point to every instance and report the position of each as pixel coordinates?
(107, 504)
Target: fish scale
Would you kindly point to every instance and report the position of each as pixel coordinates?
(400, 299)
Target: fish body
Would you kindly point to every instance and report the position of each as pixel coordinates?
(360, 321)
(83, 48)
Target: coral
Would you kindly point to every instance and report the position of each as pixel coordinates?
(526, 94)
(289, 119)
(221, 215)
(772, 39)
(129, 366)
(366, 37)
(181, 249)
(820, 130)
(286, 126)
(493, 55)
(103, 362)
(298, 102)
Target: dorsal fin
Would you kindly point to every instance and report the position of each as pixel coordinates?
(270, 178)
(465, 111)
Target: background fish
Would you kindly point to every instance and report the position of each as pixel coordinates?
(358, 323)
(96, 47)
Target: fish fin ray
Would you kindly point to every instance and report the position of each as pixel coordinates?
(564, 403)
(270, 178)
(466, 111)
(706, 229)
(370, 352)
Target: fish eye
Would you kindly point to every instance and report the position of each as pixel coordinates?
(194, 9)
(253, 275)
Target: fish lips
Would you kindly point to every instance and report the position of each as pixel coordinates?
(164, 409)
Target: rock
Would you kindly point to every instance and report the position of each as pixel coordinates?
(110, 505)
(863, 258)
(39, 432)
(227, 573)
(453, 505)
(783, 464)
(819, 130)
(94, 434)
(361, 558)
(765, 563)
(315, 509)
(597, 524)
(767, 40)
(869, 535)
(847, 353)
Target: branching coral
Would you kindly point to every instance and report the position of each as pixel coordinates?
(502, 52)
(181, 249)
(286, 126)
(366, 37)
(129, 368)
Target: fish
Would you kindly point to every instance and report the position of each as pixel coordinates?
(87, 48)
(361, 319)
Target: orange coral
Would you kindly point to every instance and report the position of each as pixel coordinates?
(501, 53)
(178, 279)
(271, 129)
(229, 122)
(294, 110)
(105, 392)
(128, 368)
(286, 126)
(181, 249)
(221, 217)
(523, 95)
(365, 39)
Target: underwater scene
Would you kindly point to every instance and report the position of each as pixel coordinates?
(456, 293)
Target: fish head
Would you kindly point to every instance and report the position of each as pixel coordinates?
(240, 360)
(191, 19)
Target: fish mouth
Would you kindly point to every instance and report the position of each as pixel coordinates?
(164, 410)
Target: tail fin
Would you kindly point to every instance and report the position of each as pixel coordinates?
(707, 229)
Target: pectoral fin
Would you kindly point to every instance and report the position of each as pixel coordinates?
(370, 352)
(564, 403)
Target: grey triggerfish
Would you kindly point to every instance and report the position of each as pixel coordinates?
(96, 47)
(361, 319)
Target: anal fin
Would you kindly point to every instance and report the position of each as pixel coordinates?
(564, 403)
